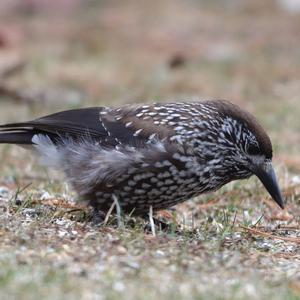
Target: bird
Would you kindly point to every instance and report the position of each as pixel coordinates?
(150, 155)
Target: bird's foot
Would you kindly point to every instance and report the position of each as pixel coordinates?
(97, 217)
(161, 225)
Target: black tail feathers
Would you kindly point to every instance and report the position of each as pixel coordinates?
(16, 137)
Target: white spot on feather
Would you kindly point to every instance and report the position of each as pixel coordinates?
(138, 132)
(152, 136)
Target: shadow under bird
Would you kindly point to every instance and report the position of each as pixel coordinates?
(152, 155)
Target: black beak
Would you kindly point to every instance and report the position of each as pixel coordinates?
(267, 176)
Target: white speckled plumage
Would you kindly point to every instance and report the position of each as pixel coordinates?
(148, 155)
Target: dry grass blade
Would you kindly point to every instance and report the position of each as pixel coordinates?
(272, 236)
(109, 213)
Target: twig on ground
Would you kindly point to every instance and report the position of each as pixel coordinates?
(211, 203)
(59, 202)
(12, 68)
(272, 236)
(15, 95)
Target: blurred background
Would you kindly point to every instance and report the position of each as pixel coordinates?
(63, 54)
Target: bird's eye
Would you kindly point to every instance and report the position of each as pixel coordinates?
(253, 150)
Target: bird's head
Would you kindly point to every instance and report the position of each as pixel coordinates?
(248, 147)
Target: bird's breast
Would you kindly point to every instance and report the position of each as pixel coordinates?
(161, 185)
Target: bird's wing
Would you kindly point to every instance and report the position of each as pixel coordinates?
(74, 123)
(107, 126)
(134, 125)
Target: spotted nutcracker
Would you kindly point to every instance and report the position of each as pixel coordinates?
(150, 155)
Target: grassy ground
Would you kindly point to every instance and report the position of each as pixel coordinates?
(233, 244)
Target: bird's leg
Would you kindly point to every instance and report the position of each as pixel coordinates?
(151, 220)
(150, 226)
(118, 211)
